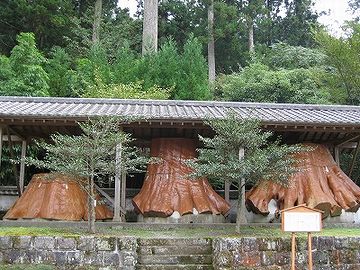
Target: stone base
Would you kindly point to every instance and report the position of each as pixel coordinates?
(189, 218)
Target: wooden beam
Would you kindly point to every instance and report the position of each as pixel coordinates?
(22, 166)
(348, 140)
(103, 193)
(117, 202)
(349, 145)
(13, 138)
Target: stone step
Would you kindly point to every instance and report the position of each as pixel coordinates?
(175, 267)
(174, 259)
(175, 250)
(174, 242)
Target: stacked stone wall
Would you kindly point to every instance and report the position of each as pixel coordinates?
(340, 253)
(91, 252)
(70, 252)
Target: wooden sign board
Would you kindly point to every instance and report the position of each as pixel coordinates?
(301, 219)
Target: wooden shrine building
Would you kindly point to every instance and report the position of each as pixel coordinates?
(25, 118)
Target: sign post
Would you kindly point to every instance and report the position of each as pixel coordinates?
(301, 219)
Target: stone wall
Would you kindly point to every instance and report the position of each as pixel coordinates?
(70, 252)
(340, 253)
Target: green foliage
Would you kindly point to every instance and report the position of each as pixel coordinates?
(22, 72)
(295, 27)
(345, 164)
(168, 73)
(221, 159)
(161, 68)
(283, 55)
(258, 83)
(47, 19)
(62, 78)
(343, 55)
(92, 154)
(263, 160)
(126, 65)
(192, 77)
(126, 91)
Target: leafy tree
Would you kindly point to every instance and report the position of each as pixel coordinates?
(47, 19)
(258, 83)
(192, 77)
(62, 78)
(22, 72)
(168, 73)
(343, 54)
(295, 28)
(240, 153)
(126, 91)
(285, 56)
(90, 155)
(355, 7)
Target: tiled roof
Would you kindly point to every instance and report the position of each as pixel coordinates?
(170, 110)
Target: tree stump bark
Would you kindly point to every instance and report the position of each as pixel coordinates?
(55, 197)
(167, 188)
(319, 183)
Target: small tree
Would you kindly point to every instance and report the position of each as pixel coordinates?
(240, 153)
(91, 155)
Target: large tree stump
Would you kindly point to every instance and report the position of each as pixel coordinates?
(167, 188)
(320, 183)
(54, 197)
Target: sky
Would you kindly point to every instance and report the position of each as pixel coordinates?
(338, 12)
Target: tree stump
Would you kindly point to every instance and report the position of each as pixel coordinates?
(167, 188)
(55, 197)
(319, 183)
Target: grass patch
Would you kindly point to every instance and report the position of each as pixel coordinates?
(38, 231)
(246, 231)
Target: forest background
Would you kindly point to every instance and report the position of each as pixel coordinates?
(232, 50)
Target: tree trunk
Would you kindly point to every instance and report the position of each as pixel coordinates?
(241, 214)
(251, 36)
(320, 184)
(167, 188)
(150, 27)
(97, 21)
(92, 201)
(211, 44)
(55, 196)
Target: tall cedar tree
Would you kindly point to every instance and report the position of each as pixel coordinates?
(91, 155)
(240, 153)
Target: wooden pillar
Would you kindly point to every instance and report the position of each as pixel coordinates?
(123, 196)
(227, 191)
(293, 247)
(310, 260)
(117, 207)
(22, 165)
